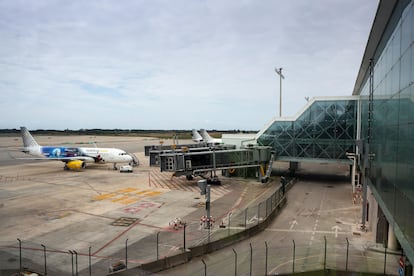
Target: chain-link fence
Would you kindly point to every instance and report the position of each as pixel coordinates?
(267, 259)
(188, 239)
(182, 237)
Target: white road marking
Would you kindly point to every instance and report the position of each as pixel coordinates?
(292, 224)
(336, 228)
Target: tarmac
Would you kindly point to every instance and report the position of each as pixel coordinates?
(73, 221)
(84, 222)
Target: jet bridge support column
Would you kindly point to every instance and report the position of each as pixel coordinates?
(392, 239)
(293, 167)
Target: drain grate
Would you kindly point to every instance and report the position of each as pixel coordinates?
(124, 221)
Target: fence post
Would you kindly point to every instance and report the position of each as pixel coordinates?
(90, 261)
(20, 255)
(324, 257)
(185, 226)
(385, 260)
(266, 258)
(71, 254)
(279, 196)
(276, 198)
(347, 254)
(245, 218)
(235, 262)
(126, 254)
(271, 203)
(205, 267)
(228, 226)
(44, 254)
(258, 212)
(251, 259)
(270, 206)
(76, 262)
(158, 233)
(294, 252)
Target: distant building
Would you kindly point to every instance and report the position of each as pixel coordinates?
(240, 140)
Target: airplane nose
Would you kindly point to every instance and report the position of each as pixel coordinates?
(133, 159)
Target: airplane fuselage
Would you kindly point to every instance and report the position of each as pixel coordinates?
(106, 155)
(88, 155)
(74, 157)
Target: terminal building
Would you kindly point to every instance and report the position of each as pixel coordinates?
(373, 129)
(385, 82)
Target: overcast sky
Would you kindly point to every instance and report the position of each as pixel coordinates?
(174, 64)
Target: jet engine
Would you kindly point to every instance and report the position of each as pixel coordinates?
(99, 159)
(75, 165)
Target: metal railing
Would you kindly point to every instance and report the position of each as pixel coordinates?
(330, 254)
(190, 239)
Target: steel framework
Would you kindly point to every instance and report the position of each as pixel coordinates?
(325, 130)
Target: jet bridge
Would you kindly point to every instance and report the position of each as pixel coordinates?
(325, 130)
(252, 161)
(154, 154)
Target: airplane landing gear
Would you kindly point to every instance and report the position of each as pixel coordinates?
(214, 180)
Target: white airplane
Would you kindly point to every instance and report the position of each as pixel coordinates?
(208, 139)
(75, 158)
(197, 137)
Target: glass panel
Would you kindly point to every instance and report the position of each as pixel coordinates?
(325, 130)
(406, 29)
(405, 69)
(396, 44)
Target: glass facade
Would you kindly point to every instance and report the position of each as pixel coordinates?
(325, 130)
(328, 128)
(391, 171)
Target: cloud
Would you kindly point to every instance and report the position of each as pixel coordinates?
(173, 64)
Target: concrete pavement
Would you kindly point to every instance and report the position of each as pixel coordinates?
(98, 210)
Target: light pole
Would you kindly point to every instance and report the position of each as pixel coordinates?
(279, 72)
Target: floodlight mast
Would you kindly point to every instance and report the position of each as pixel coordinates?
(279, 72)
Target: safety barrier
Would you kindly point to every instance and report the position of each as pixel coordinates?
(268, 208)
(160, 248)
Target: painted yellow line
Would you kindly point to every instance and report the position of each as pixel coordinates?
(104, 196)
(127, 195)
(120, 199)
(129, 201)
(127, 190)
